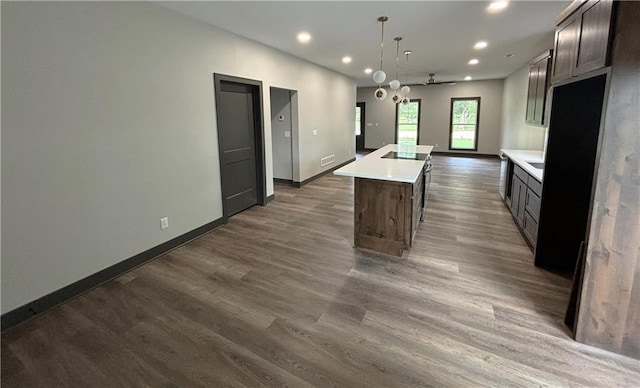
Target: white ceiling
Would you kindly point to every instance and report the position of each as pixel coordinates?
(441, 34)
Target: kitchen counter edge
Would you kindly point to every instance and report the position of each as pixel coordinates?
(521, 157)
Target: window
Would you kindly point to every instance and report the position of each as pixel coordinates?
(357, 121)
(408, 123)
(465, 116)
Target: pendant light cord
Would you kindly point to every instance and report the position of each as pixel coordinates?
(406, 74)
(381, 45)
(397, 55)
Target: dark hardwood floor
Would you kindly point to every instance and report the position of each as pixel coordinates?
(280, 297)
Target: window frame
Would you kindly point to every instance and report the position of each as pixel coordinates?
(477, 124)
(395, 127)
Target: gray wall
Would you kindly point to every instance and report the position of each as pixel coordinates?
(515, 133)
(108, 124)
(282, 144)
(435, 114)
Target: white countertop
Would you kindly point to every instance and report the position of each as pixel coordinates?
(372, 166)
(521, 157)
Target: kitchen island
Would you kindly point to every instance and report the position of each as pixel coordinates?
(389, 196)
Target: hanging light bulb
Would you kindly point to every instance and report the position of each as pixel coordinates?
(395, 84)
(379, 76)
(406, 89)
(380, 94)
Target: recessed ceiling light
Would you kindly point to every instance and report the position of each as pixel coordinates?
(346, 59)
(473, 61)
(497, 6)
(304, 37)
(368, 70)
(467, 78)
(480, 45)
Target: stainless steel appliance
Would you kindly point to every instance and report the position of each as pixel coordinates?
(503, 173)
(428, 166)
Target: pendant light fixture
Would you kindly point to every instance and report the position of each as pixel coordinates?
(395, 84)
(406, 89)
(379, 76)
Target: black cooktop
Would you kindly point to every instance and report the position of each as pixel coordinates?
(405, 155)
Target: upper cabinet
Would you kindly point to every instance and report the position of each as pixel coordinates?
(538, 86)
(582, 38)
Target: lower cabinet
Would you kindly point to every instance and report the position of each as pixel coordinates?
(518, 192)
(524, 202)
(530, 228)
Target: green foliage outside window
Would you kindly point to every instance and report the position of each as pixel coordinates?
(464, 119)
(407, 125)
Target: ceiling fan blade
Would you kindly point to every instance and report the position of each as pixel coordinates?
(439, 83)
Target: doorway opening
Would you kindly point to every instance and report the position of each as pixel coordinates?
(359, 126)
(240, 143)
(284, 133)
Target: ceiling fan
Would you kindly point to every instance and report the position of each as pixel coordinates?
(432, 81)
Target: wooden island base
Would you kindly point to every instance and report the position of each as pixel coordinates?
(386, 214)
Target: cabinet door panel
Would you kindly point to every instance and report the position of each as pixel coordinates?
(522, 201)
(530, 228)
(531, 95)
(520, 173)
(532, 205)
(541, 93)
(535, 185)
(515, 195)
(594, 37)
(518, 195)
(565, 47)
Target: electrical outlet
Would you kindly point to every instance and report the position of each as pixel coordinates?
(164, 223)
(436, 146)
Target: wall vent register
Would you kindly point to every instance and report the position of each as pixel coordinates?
(327, 160)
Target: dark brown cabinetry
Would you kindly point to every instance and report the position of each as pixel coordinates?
(532, 210)
(523, 199)
(538, 86)
(518, 194)
(387, 214)
(582, 39)
(589, 210)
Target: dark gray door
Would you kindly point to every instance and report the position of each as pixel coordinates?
(236, 128)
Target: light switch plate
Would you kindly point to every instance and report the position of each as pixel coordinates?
(314, 132)
(287, 133)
